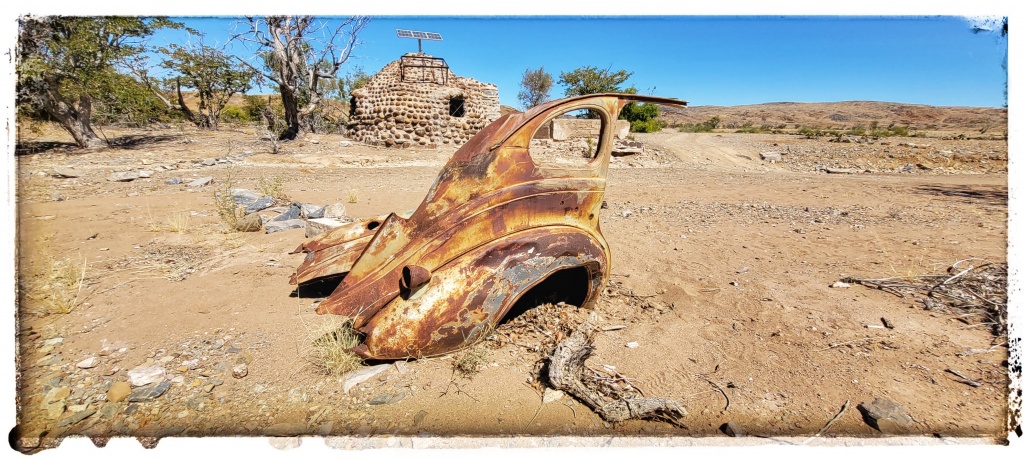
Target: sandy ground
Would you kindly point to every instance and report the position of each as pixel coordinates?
(722, 271)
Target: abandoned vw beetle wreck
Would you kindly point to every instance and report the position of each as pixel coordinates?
(495, 224)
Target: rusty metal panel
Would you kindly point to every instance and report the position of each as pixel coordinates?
(492, 225)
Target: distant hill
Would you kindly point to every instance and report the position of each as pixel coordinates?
(846, 115)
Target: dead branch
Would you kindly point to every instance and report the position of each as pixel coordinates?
(830, 422)
(566, 372)
(978, 289)
(963, 378)
(719, 390)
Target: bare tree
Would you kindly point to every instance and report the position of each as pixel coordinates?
(301, 55)
(535, 87)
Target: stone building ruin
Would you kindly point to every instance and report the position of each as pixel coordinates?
(417, 101)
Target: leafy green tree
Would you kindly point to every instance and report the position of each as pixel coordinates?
(642, 117)
(591, 80)
(302, 66)
(65, 64)
(214, 76)
(534, 87)
(352, 81)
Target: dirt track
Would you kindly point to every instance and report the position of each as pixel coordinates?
(730, 260)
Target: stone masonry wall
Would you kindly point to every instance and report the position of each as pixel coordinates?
(391, 112)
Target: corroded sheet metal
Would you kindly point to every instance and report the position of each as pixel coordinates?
(492, 225)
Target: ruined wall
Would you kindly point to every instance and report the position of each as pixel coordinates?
(391, 112)
(570, 128)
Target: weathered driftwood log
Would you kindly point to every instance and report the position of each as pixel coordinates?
(566, 372)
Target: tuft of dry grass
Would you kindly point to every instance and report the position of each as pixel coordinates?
(179, 222)
(469, 362)
(331, 341)
(353, 196)
(60, 286)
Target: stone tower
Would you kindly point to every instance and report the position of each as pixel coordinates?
(418, 101)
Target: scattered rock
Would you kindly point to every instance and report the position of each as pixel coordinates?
(310, 211)
(210, 162)
(352, 379)
(250, 223)
(841, 170)
(625, 213)
(143, 375)
(418, 419)
(75, 417)
(173, 181)
(552, 395)
(53, 341)
(205, 181)
(732, 429)
(57, 197)
(382, 399)
(239, 371)
(840, 285)
(123, 176)
(886, 416)
(771, 156)
(88, 363)
(632, 344)
(336, 211)
(66, 172)
(145, 173)
(320, 225)
(344, 143)
(278, 226)
(149, 392)
(260, 204)
(118, 392)
(626, 147)
(293, 212)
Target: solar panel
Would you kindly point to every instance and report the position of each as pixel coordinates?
(402, 33)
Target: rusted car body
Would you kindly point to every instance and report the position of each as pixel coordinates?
(494, 224)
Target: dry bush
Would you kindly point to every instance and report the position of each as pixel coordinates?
(224, 202)
(272, 186)
(331, 342)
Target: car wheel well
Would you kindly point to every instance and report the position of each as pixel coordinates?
(570, 285)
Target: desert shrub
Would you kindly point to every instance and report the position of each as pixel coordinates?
(645, 126)
(235, 114)
(272, 186)
(703, 127)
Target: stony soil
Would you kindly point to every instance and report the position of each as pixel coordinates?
(723, 266)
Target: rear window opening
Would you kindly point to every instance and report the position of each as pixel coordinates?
(570, 139)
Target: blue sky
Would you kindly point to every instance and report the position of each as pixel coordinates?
(707, 60)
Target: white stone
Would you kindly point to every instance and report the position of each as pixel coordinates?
(88, 363)
(143, 375)
(632, 344)
(354, 378)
